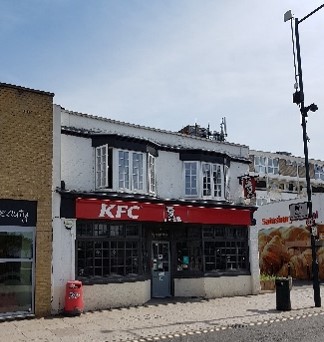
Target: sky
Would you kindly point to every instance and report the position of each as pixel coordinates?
(167, 64)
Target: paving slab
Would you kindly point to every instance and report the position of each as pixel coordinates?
(159, 319)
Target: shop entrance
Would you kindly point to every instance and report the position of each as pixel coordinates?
(17, 246)
(161, 275)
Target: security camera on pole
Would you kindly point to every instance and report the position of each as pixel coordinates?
(298, 98)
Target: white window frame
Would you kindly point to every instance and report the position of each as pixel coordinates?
(191, 176)
(259, 164)
(138, 168)
(226, 182)
(212, 180)
(204, 180)
(273, 166)
(131, 176)
(151, 173)
(266, 165)
(101, 166)
(123, 170)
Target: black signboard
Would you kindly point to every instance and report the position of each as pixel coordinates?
(18, 213)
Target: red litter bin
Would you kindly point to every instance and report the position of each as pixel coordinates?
(73, 298)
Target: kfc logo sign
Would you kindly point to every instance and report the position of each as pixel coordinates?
(170, 215)
(116, 211)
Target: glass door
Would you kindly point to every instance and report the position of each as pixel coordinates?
(17, 269)
(161, 276)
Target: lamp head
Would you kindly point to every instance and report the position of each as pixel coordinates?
(313, 107)
(288, 15)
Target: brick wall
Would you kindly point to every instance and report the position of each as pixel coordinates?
(26, 149)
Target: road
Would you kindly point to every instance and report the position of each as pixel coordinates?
(299, 329)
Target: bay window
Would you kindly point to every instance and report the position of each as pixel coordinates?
(207, 177)
(124, 170)
(130, 170)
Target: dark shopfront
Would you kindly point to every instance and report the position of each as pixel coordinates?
(17, 256)
(125, 241)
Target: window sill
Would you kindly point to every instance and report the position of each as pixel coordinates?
(215, 274)
(113, 280)
(227, 273)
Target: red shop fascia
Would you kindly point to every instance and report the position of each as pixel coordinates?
(112, 209)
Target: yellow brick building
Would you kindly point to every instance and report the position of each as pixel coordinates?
(26, 150)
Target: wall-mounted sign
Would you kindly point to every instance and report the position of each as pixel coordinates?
(159, 212)
(249, 184)
(18, 213)
(298, 211)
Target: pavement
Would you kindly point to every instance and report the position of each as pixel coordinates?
(163, 319)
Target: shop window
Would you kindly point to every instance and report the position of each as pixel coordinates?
(188, 250)
(225, 249)
(108, 251)
(189, 256)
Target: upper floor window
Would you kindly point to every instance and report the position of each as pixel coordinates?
(212, 180)
(125, 170)
(273, 166)
(102, 166)
(266, 165)
(260, 164)
(131, 170)
(151, 174)
(191, 180)
(203, 178)
(319, 171)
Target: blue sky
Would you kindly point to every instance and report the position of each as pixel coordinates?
(169, 63)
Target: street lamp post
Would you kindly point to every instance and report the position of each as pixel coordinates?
(298, 98)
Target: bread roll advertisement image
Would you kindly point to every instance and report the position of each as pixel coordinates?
(286, 251)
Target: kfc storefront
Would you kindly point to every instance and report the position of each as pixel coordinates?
(161, 249)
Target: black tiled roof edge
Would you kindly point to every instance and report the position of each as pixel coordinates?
(149, 128)
(7, 85)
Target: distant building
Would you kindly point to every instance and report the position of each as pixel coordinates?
(280, 176)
